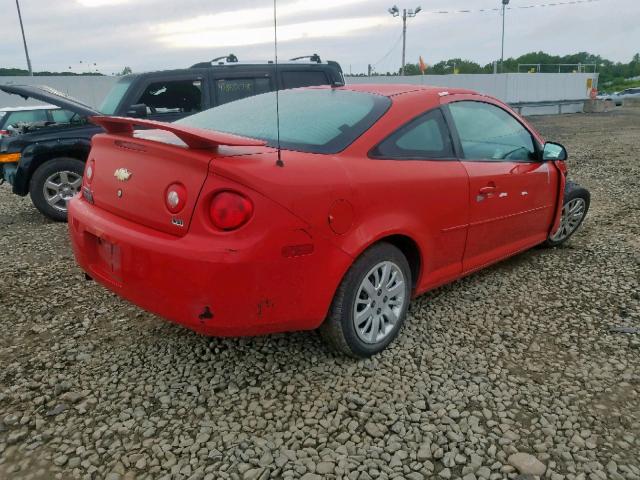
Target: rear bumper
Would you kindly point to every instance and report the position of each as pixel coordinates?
(200, 282)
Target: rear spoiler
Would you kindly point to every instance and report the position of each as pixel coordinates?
(197, 138)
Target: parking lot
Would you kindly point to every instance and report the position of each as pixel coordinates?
(523, 357)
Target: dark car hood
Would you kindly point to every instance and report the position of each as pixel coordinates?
(49, 95)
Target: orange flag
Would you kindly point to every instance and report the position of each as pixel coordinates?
(421, 65)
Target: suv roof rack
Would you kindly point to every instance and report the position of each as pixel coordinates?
(315, 58)
(223, 60)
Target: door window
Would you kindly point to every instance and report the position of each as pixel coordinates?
(26, 116)
(172, 96)
(426, 137)
(488, 132)
(303, 78)
(231, 89)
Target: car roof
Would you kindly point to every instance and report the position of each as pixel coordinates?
(34, 107)
(393, 89)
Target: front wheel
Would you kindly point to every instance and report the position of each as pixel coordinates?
(53, 184)
(574, 210)
(370, 305)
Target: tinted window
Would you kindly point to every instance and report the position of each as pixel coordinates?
(303, 79)
(175, 96)
(26, 116)
(320, 121)
(231, 89)
(490, 133)
(425, 137)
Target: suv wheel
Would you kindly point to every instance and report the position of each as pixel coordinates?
(371, 303)
(53, 184)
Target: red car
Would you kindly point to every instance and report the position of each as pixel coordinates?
(378, 194)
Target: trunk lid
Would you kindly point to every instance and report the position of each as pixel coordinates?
(133, 174)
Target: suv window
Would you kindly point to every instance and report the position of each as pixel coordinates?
(426, 137)
(26, 116)
(295, 79)
(488, 132)
(172, 96)
(231, 89)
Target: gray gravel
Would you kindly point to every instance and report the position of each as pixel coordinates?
(508, 373)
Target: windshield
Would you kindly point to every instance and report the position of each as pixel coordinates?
(111, 102)
(311, 120)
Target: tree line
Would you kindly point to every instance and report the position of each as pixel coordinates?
(610, 72)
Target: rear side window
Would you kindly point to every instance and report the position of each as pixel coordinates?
(311, 120)
(426, 137)
(488, 132)
(173, 96)
(26, 116)
(295, 79)
(231, 89)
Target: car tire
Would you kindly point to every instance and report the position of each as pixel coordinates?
(365, 287)
(578, 199)
(62, 175)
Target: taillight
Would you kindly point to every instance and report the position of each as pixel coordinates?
(90, 170)
(230, 210)
(175, 197)
(3, 133)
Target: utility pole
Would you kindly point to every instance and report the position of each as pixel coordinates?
(24, 39)
(395, 11)
(504, 9)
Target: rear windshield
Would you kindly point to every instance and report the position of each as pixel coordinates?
(311, 120)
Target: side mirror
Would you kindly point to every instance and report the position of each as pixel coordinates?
(139, 110)
(554, 151)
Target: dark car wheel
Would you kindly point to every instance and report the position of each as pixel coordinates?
(574, 209)
(371, 303)
(53, 184)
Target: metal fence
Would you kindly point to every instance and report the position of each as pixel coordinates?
(525, 90)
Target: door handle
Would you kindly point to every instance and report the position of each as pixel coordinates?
(487, 190)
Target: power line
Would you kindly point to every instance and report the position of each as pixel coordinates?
(518, 7)
(391, 50)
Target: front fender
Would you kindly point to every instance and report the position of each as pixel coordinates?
(36, 154)
(562, 170)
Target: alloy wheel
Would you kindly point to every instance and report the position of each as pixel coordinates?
(60, 187)
(379, 302)
(572, 214)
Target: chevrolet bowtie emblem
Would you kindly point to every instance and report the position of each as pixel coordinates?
(122, 174)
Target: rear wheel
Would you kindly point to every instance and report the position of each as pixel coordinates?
(371, 303)
(575, 208)
(53, 184)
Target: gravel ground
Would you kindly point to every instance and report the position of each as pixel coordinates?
(510, 372)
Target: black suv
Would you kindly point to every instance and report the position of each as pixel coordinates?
(47, 161)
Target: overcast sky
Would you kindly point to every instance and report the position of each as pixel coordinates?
(160, 34)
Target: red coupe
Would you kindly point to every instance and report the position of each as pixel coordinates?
(377, 194)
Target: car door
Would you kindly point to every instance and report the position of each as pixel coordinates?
(418, 168)
(511, 191)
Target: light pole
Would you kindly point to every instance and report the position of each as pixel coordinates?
(395, 11)
(24, 39)
(504, 9)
